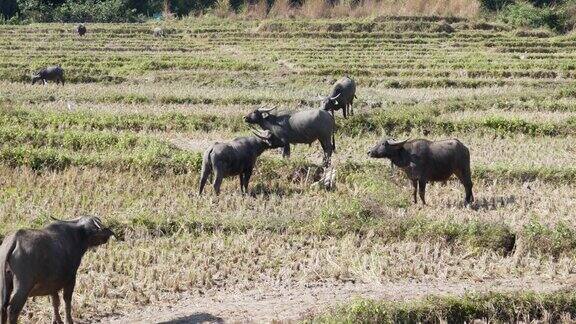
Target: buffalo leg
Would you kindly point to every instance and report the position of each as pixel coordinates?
(67, 294)
(21, 291)
(56, 319)
(8, 281)
(415, 185)
(422, 190)
(327, 148)
(241, 177)
(247, 175)
(218, 182)
(465, 178)
(45, 82)
(344, 111)
(469, 195)
(351, 109)
(286, 151)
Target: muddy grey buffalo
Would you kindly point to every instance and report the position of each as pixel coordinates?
(51, 73)
(235, 158)
(158, 32)
(298, 127)
(81, 29)
(342, 97)
(43, 262)
(425, 161)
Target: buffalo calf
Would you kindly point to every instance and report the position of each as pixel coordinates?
(425, 161)
(43, 262)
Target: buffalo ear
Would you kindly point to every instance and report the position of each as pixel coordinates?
(335, 102)
(265, 115)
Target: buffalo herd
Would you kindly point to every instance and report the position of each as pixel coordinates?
(44, 262)
(423, 161)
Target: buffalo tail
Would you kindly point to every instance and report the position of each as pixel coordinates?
(206, 169)
(5, 251)
(333, 143)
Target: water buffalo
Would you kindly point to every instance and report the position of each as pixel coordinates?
(43, 262)
(81, 29)
(237, 157)
(342, 97)
(298, 127)
(158, 32)
(52, 73)
(425, 161)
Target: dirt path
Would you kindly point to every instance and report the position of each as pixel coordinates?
(274, 304)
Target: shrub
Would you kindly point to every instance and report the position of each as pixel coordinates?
(35, 10)
(524, 14)
(95, 11)
(494, 5)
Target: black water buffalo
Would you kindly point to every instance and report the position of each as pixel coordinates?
(81, 29)
(298, 127)
(43, 262)
(237, 157)
(424, 161)
(51, 73)
(342, 97)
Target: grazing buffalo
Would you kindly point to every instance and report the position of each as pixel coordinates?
(51, 73)
(237, 157)
(298, 127)
(158, 32)
(43, 262)
(342, 97)
(81, 29)
(424, 161)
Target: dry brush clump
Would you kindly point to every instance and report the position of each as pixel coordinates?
(488, 307)
(344, 8)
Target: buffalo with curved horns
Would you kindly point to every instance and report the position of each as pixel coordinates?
(51, 73)
(342, 97)
(304, 127)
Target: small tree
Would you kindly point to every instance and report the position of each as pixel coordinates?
(166, 9)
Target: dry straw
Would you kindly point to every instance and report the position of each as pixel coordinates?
(346, 8)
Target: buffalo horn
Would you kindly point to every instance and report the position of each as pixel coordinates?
(65, 221)
(265, 110)
(260, 135)
(393, 142)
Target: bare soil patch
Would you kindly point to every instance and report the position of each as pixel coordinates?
(271, 304)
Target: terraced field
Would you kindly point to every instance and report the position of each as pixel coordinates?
(123, 139)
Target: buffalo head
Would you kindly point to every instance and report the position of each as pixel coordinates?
(36, 78)
(95, 232)
(329, 103)
(258, 115)
(268, 138)
(386, 149)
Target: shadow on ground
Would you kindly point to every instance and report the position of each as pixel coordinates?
(195, 318)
